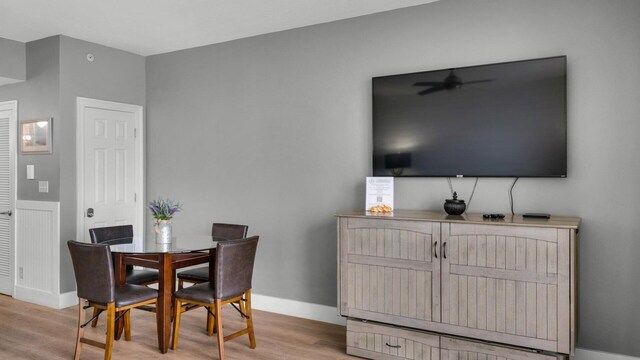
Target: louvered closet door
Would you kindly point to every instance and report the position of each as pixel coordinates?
(507, 284)
(390, 271)
(7, 145)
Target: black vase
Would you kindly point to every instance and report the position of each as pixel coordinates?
(454, 206)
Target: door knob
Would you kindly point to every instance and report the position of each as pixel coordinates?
(8, 213)
(90, 212)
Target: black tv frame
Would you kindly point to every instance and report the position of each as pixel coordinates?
(474, 175)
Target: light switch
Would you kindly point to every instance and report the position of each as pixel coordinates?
(43, 186)
(31, 172)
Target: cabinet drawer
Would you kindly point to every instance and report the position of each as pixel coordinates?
(458, 349)
(376, 341)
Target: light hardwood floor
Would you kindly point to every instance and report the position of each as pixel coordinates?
(30, 331)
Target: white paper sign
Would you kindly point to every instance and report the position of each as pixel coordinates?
(379, 192)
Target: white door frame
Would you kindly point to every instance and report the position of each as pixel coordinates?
(81, 104)
(13, 126)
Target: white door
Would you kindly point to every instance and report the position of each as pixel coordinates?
(8, 115)
(111, 165)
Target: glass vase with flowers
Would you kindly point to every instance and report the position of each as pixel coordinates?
(163, 211)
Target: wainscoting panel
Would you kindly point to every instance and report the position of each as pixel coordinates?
(37, 266)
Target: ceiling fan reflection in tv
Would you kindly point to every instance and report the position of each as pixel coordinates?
(451, 82)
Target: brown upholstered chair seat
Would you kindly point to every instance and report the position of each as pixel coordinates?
(203, 293)
(141, 276)
(129, 294)
(196, 275)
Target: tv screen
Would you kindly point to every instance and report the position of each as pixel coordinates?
(497, 120)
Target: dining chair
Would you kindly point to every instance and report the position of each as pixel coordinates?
(96, 286)
(133, 276)
(201, 274)
(233, 271)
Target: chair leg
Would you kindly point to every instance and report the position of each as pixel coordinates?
(211, 321)
(241, 305)
(247, 308)
(180, 284)
(111, 324)
(81, 319)
(176, 324)
(127, 325)
(219, 328)
(96, 311)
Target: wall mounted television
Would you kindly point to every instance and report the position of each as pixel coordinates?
(498, 120)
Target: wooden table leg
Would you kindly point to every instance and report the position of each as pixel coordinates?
(120, 270)
(163, 310)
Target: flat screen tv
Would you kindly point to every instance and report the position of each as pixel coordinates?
(498, 120)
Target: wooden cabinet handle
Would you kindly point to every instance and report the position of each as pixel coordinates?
(435, 249)
(393, 346)
(444, 249)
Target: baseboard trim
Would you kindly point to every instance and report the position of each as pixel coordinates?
(35, 296)
(585, 354)
(329, 314)
(67, 299)
(324, 313)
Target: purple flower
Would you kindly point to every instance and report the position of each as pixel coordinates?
(162, 209)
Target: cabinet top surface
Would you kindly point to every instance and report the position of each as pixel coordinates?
(471, 218)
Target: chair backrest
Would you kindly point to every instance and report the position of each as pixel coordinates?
(233, 267)
(93, 268)
(229, 231)
(103, 234)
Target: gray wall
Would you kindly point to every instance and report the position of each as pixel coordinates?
(39, 98)
(12, 61)
(57, 73)
(275, 131)
(114, 75)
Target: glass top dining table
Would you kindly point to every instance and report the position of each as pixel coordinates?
(183, 251)
(148, 244)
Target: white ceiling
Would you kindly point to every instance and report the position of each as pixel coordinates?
(148, 27)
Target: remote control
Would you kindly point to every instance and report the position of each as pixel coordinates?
(536, 215)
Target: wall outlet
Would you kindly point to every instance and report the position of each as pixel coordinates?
(43, 186)
(21, 273)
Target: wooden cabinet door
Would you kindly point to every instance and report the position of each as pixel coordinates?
(508, 284)
(390, 270)
(458, 349)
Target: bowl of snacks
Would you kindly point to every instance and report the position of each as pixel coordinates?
(381, 209)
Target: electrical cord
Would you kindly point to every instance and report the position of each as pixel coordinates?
(450, 186)
(511, 194)
(472, 192)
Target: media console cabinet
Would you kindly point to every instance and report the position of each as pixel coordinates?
(425, 285)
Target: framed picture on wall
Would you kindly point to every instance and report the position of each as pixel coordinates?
(35, 136)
